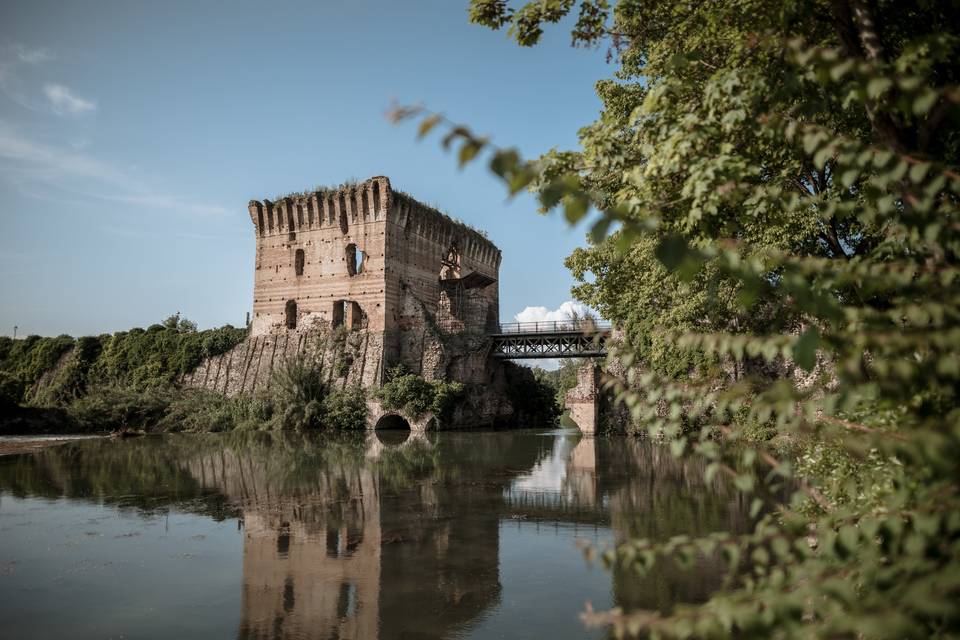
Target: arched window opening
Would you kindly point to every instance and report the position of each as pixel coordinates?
(270, 219)
(260, 222)
(337, 313)
(353, 205)
(290, 226)
(299, 215)
(310, 213)
(355, 259)
(365, 210)
(291, 314)
(298, 262)
(330, 210)
(376, 199)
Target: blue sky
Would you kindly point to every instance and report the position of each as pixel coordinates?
(132, 135)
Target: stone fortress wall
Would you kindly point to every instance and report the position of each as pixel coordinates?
(369, 258)
(325, 254)
(365, 278)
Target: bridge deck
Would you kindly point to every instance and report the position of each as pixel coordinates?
(561, 339)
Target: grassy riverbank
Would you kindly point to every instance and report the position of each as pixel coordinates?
(130, 380)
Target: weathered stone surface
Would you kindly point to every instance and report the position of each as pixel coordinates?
(581, 400)
(353, 257)
(363, 279)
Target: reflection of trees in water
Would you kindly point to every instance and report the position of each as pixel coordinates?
(143, 475)
(654, 495)
(344, 537)
(327, 529)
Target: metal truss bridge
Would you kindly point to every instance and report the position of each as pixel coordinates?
(562, 339)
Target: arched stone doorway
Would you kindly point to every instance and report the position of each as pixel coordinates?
(392, 429)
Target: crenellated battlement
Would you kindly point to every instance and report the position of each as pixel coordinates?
(435, 226)
(364, 202)
(369, 201)
(365, 256)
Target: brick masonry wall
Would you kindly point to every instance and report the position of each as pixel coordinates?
(323, 226)
(249, 365)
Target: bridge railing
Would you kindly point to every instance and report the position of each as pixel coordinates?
(585, 325)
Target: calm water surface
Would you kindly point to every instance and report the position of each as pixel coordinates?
(452, 535)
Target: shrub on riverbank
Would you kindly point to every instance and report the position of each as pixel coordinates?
(124, 380)
(53, 372)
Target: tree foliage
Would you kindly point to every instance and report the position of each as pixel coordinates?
(786, 172)
(414, 396)
(157, 356)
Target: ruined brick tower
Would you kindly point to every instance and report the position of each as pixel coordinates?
(370, 258)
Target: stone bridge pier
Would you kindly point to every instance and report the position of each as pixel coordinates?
(581, 400)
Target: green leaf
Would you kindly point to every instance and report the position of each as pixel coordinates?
(504, 162)
(877, 86)
(805, 349)
(678, 446)
(919, 171)
(598, 232)
(672, 250)
(428, 124)
(744, 482)
(924, 102)
(575, 207)
(468, 151)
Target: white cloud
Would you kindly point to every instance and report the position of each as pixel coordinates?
(65, 102)
(565, 311)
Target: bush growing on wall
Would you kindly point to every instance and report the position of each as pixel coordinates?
(414, 396)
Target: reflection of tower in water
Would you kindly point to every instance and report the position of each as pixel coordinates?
(319, 546)
(311, 553)
(316, 574)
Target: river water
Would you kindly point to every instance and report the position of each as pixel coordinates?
(253, 535)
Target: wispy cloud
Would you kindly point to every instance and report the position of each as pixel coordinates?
(14, 57)
(25, 161)
(42, 160)
(65, 102)
(27, 55)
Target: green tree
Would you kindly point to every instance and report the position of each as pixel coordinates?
(791, 166)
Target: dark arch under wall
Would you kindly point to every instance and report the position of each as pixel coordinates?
(392, 421)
